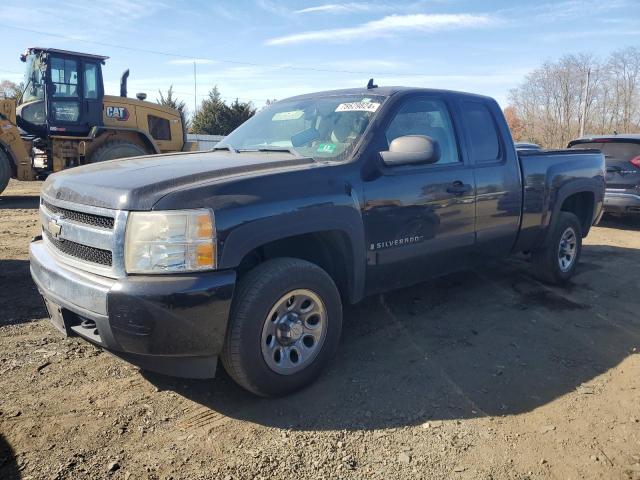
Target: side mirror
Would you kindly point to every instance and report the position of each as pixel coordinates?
(412, 149)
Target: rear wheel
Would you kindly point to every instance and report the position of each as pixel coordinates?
(557, 263)
(284, 327)
(114, 149)
(5, 171)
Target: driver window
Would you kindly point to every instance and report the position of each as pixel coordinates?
(64, 77)
(430, 118)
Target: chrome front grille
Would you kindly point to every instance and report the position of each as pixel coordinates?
(82, 252)
(86, 237)
(81, 217)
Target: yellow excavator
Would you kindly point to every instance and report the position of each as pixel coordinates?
(64, 119)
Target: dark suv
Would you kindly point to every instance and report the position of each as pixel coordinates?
(622, 156)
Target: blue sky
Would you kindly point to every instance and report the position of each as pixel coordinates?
(263, 49)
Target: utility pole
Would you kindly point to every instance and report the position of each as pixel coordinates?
(584, 103)
(195, 89)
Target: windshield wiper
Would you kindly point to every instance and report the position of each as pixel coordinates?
(225, 147)
(272, 149)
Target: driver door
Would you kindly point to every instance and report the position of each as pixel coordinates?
(419, 219)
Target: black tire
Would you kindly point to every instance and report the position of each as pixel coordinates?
(256, 294)
(114, 149)
(546, 262)
(5, 171)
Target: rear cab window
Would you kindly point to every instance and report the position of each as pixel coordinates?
(482, 132)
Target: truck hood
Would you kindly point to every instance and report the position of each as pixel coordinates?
(138, 183)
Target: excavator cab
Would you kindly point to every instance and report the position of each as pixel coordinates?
(65, 119)
(63, 92)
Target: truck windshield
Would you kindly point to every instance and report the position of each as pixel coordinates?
(33, 79)
(318, 127)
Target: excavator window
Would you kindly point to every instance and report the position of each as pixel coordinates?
(64, 83)
(64, 77)
(90, 81)
(33, 81)
(159, 128)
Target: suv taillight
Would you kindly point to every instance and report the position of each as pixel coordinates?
(635, 161)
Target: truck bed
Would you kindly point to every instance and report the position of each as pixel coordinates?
(547, 176)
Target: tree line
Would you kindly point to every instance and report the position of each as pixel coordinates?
(215, 116)
(578, 92)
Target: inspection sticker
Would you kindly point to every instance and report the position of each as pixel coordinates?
(358, 107)
(326, 148)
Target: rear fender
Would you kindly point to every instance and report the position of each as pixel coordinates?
(590, 185)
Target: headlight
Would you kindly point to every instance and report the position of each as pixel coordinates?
(170, 241)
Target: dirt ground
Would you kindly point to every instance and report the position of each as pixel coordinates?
(484, 374)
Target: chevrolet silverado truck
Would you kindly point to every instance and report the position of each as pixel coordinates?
(247, 253)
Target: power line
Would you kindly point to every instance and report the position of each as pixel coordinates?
(231, 97)
(212, 59)
(12, 71)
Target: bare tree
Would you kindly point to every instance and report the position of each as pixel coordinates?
(556, 98)
(9, 89)
(624, 71)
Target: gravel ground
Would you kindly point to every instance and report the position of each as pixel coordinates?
(483, 374)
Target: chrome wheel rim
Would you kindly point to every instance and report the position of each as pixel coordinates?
(567, 249)
(294, 331)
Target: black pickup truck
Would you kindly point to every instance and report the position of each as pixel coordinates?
(248, 252)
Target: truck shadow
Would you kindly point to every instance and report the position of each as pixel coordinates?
(8, 467)
(15, 202)
(19, 296)
(489, 342)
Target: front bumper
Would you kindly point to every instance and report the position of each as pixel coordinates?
(622, 202)
(171, 324)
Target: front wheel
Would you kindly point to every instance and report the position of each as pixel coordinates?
(557, 262)
(5, 171)
(285, 325)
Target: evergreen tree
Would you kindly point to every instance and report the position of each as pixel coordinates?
(170, 101)
(215, 117)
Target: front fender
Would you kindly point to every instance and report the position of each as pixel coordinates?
(244, 238)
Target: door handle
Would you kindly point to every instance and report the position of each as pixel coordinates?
(458, 188)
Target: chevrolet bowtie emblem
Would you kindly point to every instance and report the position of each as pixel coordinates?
(54, 228)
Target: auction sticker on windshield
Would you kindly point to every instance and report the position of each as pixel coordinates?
(358, 107)
(292, 115)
